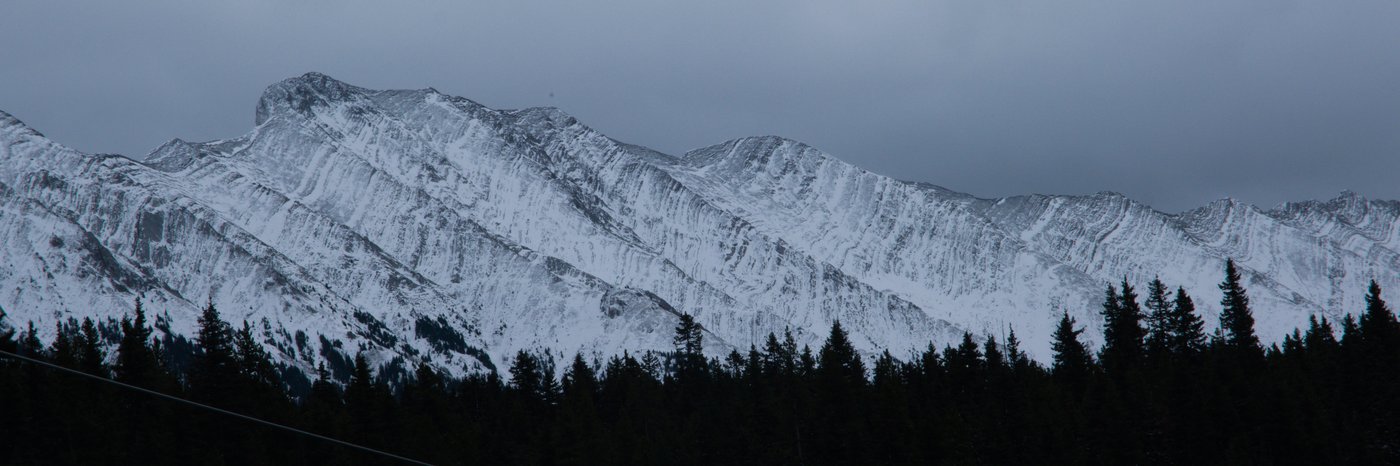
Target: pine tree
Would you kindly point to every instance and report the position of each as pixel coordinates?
(323, 391)
(1018, 359)
(689, 337)
(993, 356)
(776, 359)
(366, 402)
(1379, 330)
(1159, 319)
(580, 379)
(1187, 331)
(1236, 319)
(1320, 338)
(136, 360)
(549, 385)
(64, 349)
(533, 378)
(1351, 332)
(840, 381)
(214, 374)
(964, 365)
(689, 341)
(579, 424)
(1071, 358)
(1123, 332)
(254, 364)
(29, 344)
(886, 370)
(91, 356)
(838, 359)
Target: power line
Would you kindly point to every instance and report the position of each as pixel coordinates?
(211, 408)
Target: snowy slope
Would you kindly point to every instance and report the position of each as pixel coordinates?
(420, 226)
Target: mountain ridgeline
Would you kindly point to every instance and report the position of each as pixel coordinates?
(410, 227)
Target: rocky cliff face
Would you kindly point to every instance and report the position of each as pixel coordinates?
(419, 226)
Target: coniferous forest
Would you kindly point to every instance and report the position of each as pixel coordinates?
(1159, 390)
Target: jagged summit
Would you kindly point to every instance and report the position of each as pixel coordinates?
(172, 156)
(757, 154)
(301, 94)
(12, 127)
(423, 227)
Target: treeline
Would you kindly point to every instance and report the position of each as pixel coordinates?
(1160, 390)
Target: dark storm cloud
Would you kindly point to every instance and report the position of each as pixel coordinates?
(1172, 103)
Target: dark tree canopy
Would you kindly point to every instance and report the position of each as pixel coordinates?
(1314, 399)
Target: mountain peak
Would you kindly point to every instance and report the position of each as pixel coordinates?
(172, 156)
(12, 130)
(1350, 196)
(547, 116)
(302, 93)
(751, 150)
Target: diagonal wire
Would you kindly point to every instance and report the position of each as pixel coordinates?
(211, 408)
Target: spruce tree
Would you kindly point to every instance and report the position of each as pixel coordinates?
(1320, 338)
(254, 364)
(29, 344)
(992, 354)
(776, 359)
(580, 379)
(1186, 330)
(366, 401)
(136, 360)
(1351, 333)
(689, 341)
(1236, 319)
(1071, 360)
(1159, 319)
(1123, 332)
(689, 338)
(527, 374)
(578, 423)
(840, 383)
(964, 365)
(1018, 359)
(214, 374)
(1379, 330)
(838, 360)
(886, 371)
(323, 391)
(64, 349)
(91, 355)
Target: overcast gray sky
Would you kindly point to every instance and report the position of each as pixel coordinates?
(1173, 103)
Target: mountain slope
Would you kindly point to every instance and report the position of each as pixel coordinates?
(418, 226)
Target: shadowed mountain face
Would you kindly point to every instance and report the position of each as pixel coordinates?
(420, 226)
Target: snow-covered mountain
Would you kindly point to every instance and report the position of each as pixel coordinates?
(420, 226)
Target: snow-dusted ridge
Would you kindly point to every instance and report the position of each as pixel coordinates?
(419, 226)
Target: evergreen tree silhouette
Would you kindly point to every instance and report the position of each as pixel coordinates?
(1378, 326)
(1123, 332)
(136, 360)
(29, 343)
(254, 364)
(64, 349)
(1159, 319)
(214, 373)
(1071, 358)
(838, 360)
(689, 341)
(91, 355)
(1236, 317)
(1186, 330)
